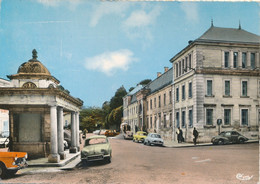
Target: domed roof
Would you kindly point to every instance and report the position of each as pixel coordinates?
(33, 66)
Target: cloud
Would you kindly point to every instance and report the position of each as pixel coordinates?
(109, 62)
(191, 11)
(140, 18)
(107, 8)
(54, 3)
(139, 24)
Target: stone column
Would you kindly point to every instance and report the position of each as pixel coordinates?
(73, 148)
(77, 131)
(60, 134)
(54, 157)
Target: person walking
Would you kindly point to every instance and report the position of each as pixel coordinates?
(178, 135)
(195, 134)
(181, 135)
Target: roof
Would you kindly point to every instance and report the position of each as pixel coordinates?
(224, 35)
(229, 35)
(160, 82)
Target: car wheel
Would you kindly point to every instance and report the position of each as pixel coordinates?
(241, 141)
(220, 142)
(84, 162)
(149, 144)
(144, 143)
(133, 139)
(3, 171)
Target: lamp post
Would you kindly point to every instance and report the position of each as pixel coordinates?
(219, 122)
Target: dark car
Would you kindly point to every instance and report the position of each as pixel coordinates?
(229, 137)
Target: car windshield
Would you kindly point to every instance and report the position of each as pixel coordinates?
(155, 136)
(95, 141)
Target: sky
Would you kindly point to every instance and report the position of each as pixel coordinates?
(95, 47)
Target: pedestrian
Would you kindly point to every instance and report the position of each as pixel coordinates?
(181, 135)
(195, 134)
(178, 135)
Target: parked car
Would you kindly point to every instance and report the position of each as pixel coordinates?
(229, 137)
(66, 146)
(139, 136)
(111, 133)
(96, 132)
(67, 137)
(4, 142)
(11, 162)
(153, 139)
(128, 135)
(96, 147)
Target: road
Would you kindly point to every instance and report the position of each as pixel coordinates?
(139, 164)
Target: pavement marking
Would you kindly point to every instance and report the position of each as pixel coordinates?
(207, 160)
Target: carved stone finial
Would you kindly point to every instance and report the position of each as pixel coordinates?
(239, 27)
(212, 22)
(34, 54)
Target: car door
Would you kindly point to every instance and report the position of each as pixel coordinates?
(234, 137)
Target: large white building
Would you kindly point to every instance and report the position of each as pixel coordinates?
(217, 76)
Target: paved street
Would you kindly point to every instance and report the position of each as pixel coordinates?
(136, 163)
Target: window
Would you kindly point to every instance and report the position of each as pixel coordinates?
(190, 118)
(235, 56)
(160, 120)
(183, 122)
(189, 60)
(164, 121)
(183, 92)
(190, 90)
(170, 119)
(182, 71)
(244, 88)
(252, 60)
(176, 66)
(154, 102)
(186, 64)
(151, 122)
(147, 119)
(209, 87)
(244, 116)
(155, 119)
(209, 116)
(177, 119)
(227, 88)
(226, 59)
(151, 104)
(244, 60)
(227, 116)
(159, 101)
(164, 99)
(177, 94)
(170, 96)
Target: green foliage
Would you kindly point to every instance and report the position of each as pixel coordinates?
(131, 89)
(92, 118)
(144, 82)
(117, 100)
(109, 115)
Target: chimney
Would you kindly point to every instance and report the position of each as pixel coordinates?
(166, 69)
(159, 74)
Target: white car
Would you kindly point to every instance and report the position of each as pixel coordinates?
(153, 139)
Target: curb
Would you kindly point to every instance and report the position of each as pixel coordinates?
(61, 164)
(200, 145)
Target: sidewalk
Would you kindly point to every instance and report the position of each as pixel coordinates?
(171, 144)
(43, 162)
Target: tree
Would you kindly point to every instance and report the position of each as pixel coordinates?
(145, 81)
(117, 100)
(92, 118)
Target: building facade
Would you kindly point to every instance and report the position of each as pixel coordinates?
(36, 104)
(217, 77)
(159, 105)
